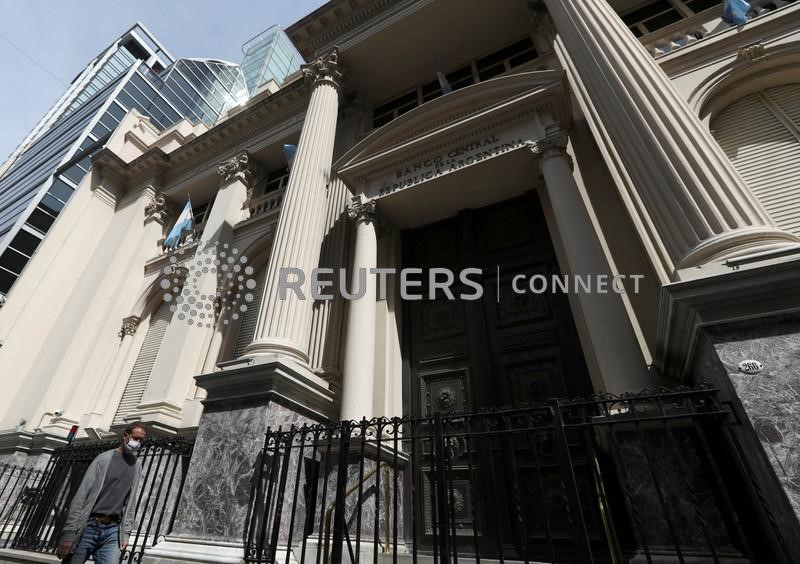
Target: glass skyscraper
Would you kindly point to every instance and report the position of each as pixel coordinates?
(270, 55)
(134, 72)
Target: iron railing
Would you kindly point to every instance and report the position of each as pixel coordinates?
(606, 479)
(33, 513)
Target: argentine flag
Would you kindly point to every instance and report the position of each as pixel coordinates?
(735, 12)
(289, 152)
(185, 222)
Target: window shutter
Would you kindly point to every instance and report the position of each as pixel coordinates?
(247, 326)
(140, 374)
(760, 133)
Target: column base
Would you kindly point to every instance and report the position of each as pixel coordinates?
(280, 347)
(175, 549)
(244, 399)
(163, 416)
(737, 243)
(270, 377)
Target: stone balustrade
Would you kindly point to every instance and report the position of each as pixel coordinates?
(267, 204)
(699, 26)
(685, 32)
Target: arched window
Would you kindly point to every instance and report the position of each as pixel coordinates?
(760, 133)
(247, 326)
(137, 383)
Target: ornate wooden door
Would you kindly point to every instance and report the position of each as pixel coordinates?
(506, 349)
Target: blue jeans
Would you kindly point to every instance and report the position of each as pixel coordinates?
(100, 541)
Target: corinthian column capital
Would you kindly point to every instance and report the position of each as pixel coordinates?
(361, 211)
(129, 326)
(241, 167)
(324, 69)
(554, 144)
(160, 209)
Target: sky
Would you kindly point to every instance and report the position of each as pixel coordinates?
(64, 35)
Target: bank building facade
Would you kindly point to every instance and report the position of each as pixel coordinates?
(617, 180)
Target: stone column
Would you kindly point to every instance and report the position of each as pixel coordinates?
(359, 352)
(188, 335)
(284, 325)
(217, 338)
(610, 344)
(327, 327)
(102, 404)
(687, 200)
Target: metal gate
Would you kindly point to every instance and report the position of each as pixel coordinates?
(606, 479)
(34, 503)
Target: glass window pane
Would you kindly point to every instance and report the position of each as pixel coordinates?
(74, 173)
(85, 163)
(650, 10)
(13, 261)
(7, 280)
(100, 131)
(116, 111)
(125, 99)
(60, 190)
(25, 243)
(51, 205)
(40, 220)
(663, 20)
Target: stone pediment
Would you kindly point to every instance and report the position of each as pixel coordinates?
(460, 116)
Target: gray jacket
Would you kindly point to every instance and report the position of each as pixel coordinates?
(81, 507)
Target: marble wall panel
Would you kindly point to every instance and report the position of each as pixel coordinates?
(770, 398)
(216, 494)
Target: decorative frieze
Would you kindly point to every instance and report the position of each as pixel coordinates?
(129, 326)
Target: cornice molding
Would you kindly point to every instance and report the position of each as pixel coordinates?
(339, 23)
(235, 133)
(733, 296)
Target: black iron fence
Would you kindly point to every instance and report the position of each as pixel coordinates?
(34, 503)
(609, 479)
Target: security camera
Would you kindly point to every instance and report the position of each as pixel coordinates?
(58, 413)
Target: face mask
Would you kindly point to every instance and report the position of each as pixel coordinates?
(133, 446)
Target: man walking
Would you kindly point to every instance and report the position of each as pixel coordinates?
(101, 514)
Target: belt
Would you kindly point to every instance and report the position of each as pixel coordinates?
(105, 519)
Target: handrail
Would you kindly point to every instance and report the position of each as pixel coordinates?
(669, 38)
(347, 493)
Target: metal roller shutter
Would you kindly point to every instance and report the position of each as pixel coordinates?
(760, 133)
(247, 327)
(140, 374)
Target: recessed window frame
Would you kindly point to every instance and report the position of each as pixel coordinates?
(465, 75)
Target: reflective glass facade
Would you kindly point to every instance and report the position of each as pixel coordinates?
(135, 44)
(270, 55)
(39, 184)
